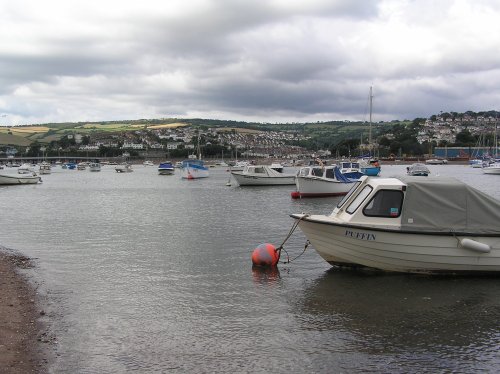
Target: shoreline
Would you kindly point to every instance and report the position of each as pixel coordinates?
(23, 339)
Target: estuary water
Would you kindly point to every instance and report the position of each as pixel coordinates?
(152, 274)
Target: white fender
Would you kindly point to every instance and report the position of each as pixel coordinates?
(474, 245)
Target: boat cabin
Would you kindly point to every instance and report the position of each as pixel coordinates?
(261, 171)
(277, 166)
(331, 172)
(418, 169)
(349, 166)
(193, 162)
(326, 172)
(438, 205)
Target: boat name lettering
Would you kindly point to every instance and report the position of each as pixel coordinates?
(359, 235)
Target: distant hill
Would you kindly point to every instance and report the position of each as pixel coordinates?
(45, 133)
(10, 139)
(320, 134)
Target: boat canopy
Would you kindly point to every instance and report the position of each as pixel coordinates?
(447, 205)
(193, 161)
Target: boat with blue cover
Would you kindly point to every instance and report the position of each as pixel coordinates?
(166, 168)
(194, 169)
(350, 169)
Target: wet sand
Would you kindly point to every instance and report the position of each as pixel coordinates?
(23, 343)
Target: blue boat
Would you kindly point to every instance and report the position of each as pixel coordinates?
(69, 165)
(370, 167)
(166, 168)
(350, 169)
(194, 169)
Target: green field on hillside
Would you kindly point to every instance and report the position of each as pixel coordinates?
(10, 139)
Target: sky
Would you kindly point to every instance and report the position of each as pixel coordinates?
(246, 60)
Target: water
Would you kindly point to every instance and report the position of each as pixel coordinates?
(152, 274)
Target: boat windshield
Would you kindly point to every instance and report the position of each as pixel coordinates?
(349, 194)
(358, 200)
(385, 203)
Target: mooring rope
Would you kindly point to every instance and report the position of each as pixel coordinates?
(294, 226)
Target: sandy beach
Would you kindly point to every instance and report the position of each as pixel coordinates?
(23, 344)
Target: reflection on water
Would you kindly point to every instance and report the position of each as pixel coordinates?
(440, 323)
(152, 274)
(265, 275)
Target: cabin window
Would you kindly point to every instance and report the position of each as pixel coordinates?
(304, 172)
(349, 194)
(329, 173)
(317, 172)
(358, 200)
(259, 171)
(385, 203)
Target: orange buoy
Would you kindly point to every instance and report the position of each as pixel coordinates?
(265, 255)
(295, 195)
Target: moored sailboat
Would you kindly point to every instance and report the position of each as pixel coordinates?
(194, 168)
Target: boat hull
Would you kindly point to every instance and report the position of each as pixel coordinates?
(393, 251)
(166, 171)
(254, 180)
(371, 171)
(123, 169)
(320, 187)
(491, 170)
(18, 179)
(194, 172)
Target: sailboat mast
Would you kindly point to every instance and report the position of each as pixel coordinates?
(370, 130)
(199, 149)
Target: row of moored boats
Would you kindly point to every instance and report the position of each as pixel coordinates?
(402, 224)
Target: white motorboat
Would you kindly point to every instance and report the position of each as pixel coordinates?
(12, 179)
(418, 170)
(124, 168)
(350, 169)
(194, 169)
(319, 181)
(166, 168)
(492, 168)
(148, 163)
(262, 175)
(81, 166)
(95, 166)
(436, 161)
(45, 168)
(409, 224)
(25, 169)
(239, 165)
(476, 163)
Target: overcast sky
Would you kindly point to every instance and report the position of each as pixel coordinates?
(251, 60)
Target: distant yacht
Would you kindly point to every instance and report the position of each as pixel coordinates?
(166, 168)
(194, 169)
